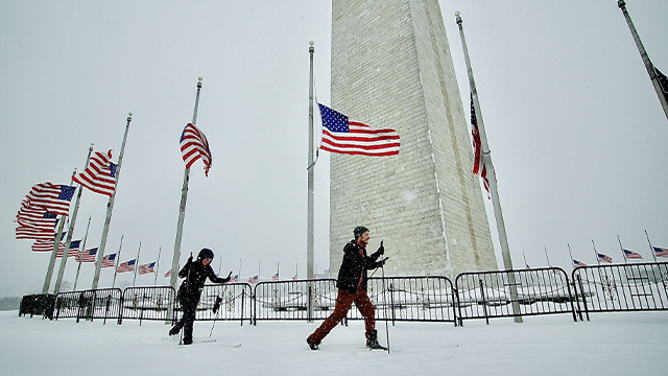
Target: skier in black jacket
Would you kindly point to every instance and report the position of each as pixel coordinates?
(195, 274)
(352, 283)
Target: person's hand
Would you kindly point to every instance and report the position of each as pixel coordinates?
(190, 259)
(381, 249)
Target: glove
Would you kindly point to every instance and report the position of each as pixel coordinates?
(216, 305)
(229, 277)
(190, 259)
(381, 249)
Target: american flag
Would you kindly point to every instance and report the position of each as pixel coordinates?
(603, 258)
(88, 255)
(100, 174)
(54, 198)
(294, 277)
(660, 252)
(340, 134)
(479, 167)
(274, 277)
(253, 279)
(109, 261)
(47, 246)
(147, 268)
(74, 249)
(127, 266)
(630, 254)
(168, 274)
(578, 264)
(235, 278)
(194, 146)
(38, 228)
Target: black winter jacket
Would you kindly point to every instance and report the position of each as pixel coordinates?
(354, 267)
(195, 275)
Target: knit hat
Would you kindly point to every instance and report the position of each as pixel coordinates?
(359, 230)
(205, 253)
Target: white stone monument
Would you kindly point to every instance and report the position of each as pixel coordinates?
(391, 68)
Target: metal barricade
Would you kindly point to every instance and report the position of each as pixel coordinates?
(67, 304)
(289, 300)
(425, 299)
(622, 287)
(147, 303)
(235, 302)
(488, 295)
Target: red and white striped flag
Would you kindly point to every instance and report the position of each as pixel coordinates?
(340, 134)
(194, 146)
(35, 222)
(630, 254)
(147, 268)
(660, 252)
(88, 255)
(479, 167)
(127, 266)
(168, 274)
(109, 261)
(54, 198)
(100, 174)
(274, 277)
(47, 246)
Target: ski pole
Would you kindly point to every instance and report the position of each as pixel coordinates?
(387, 330)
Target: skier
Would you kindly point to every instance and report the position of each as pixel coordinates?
(195, 274)
(352, 284)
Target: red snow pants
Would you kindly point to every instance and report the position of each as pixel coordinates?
(344, 300)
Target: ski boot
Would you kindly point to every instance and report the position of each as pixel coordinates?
(372, 341)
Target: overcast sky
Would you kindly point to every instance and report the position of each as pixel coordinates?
(576, 131)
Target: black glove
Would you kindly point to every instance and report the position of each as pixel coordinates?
(216, 305)
(190, 259)
(381, 249)
(229, 277)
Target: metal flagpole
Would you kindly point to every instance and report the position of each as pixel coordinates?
(645, 58)
(68, 242)
(52, 261)
(182, 206)
(487, 160)
(571, 253)
(83, 248)
(110, 208)
(157, 267)
(621, 248)
(134, 279)
(118, 257)
(309, 232)
(651, 248)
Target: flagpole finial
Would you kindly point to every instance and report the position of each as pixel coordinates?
(621, 3)
(311, 49)
(129, 117)
(459, 18)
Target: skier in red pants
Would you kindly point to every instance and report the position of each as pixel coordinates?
(352, 284)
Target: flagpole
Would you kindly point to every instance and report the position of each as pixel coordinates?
(596, 253)
(309, 233)
(157, 267)
(110, 208)
(134, 279)
(487, 160)
(82, 249)
(182, 206)
(118, 257)
(621, 248)
(645, 58)
(571, 253)
(651, 249)
(52, 261)
(68, 242)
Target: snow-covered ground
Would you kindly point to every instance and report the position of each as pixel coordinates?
(633, 343)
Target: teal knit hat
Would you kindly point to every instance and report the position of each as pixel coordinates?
(359, 230)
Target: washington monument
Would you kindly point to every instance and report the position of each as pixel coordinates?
(392, 68)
